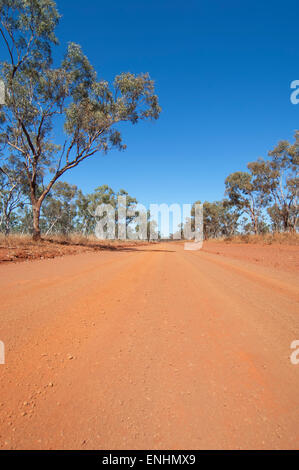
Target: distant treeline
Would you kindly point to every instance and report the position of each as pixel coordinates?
(43, 97)
(260, 200)
(65, 210)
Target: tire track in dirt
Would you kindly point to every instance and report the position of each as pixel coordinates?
(161, 349)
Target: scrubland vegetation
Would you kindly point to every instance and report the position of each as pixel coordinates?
(42, 96)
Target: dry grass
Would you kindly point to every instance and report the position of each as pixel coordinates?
(285, 238)
(18, 247)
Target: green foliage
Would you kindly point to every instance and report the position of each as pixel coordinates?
(278, 183)
(88, 203)
(267, 192)
(40, 96)
(60, 209)
(28, 31)
(244, 193)
(220, 218)
(12, 195)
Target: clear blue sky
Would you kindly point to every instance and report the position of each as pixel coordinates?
(222, 70)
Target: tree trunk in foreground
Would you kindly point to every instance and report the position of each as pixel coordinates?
(36, 214)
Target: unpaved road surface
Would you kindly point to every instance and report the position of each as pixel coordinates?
(150, 348)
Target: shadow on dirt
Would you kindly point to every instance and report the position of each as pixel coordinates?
(106, 247)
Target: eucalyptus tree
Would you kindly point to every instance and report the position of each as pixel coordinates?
(87, 207)
(40, 97)
(278, 182)
(12, 195)
(229, 217)
(87, 204)
(244, 193)
(220, 218)
(59, 210)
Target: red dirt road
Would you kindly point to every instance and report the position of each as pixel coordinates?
(150, 348)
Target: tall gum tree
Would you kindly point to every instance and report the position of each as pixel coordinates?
(40, 96)
(243, 192)
(278, 182)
